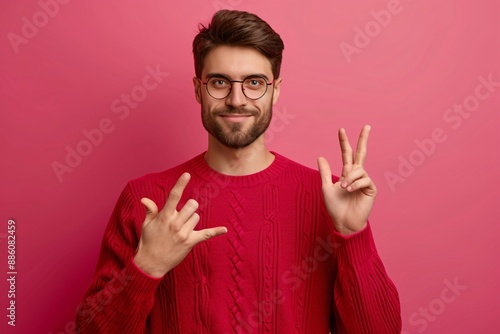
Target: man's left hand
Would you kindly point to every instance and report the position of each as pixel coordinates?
(349, 200)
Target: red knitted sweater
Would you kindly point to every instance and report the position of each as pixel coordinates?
(281, 268)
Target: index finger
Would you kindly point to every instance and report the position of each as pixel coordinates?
(361, 150)
(174, 196)
(345, 147)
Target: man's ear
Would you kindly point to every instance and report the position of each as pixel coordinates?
(276, 90)
(197, 89)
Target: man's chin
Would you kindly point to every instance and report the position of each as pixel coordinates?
(235, 135)
(235, 143)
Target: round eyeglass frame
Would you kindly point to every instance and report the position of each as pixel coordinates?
(233, 81)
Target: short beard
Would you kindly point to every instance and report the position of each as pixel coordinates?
(235, 137)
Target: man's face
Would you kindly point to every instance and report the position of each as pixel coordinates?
(236, 121)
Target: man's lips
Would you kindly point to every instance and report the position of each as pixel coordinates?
(235, 117)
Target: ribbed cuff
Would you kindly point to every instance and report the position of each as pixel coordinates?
(357, 249)
(139, 286)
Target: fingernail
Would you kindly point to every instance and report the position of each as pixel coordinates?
(349, 188)
(344, 184)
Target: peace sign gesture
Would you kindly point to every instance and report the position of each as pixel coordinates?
(349, 200)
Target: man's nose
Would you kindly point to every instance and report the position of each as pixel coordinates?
(236, 98)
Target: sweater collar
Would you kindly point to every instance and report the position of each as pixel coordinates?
(204, 171)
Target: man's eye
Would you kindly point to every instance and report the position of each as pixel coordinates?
(218, 82)
(254, 83)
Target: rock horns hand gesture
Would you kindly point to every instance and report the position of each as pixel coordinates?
(169, 235)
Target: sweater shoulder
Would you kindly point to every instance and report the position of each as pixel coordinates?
(165, 178)
(303, 173)
(300, 172)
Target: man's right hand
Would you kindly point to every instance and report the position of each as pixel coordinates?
(169, 235)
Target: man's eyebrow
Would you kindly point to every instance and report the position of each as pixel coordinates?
(259, 75)
(216, 74)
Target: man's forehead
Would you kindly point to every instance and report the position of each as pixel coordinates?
(241, 76)
(236, 62)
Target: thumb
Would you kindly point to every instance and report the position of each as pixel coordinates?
(151, 209)
(208, 233)
(325, 171)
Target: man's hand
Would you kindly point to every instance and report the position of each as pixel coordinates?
(168, 236)
(350, 200)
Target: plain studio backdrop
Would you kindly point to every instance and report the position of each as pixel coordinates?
(95, 93)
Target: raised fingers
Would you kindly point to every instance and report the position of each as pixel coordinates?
(361, 147)
(175, 194)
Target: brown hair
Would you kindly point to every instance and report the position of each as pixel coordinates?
(238, 28)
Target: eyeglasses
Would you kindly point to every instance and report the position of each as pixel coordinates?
(253, 87)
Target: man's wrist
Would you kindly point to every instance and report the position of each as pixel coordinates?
(346, 231)
(147, 268)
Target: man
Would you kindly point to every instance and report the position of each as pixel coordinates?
(278, 247)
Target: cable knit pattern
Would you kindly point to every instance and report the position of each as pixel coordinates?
(281, 268)
(235, 242)
(200, 269)
(268, 256)
(304, 252)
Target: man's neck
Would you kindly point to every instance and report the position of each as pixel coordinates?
(243, 161)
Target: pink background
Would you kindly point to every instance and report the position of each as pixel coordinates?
(437, 226)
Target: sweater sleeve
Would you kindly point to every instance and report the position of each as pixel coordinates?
(120, 296)
(365, 299)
